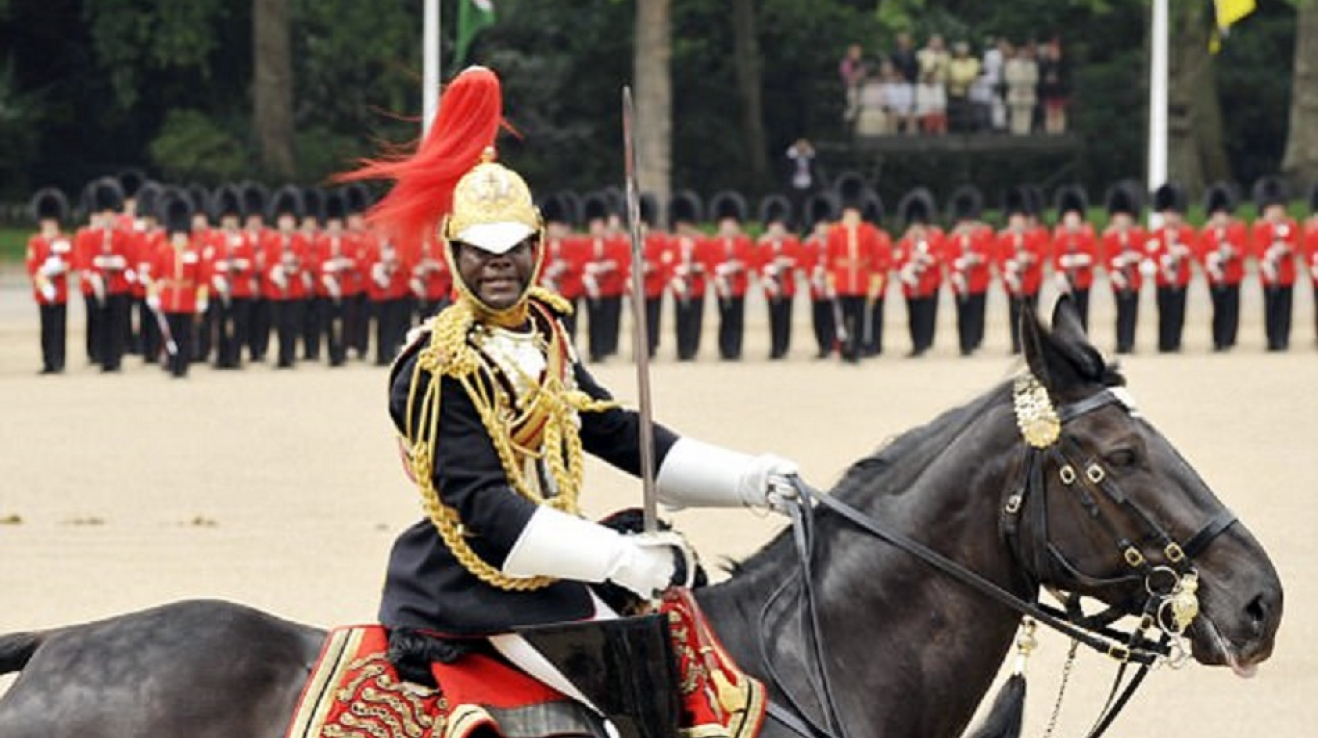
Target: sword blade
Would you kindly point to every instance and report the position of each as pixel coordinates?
(640, 330)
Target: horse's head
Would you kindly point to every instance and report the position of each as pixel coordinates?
(1115, 513)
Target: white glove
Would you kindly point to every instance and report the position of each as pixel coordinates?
(202, 304)
(559, 545)
(52, 266)
(153, 302)
(697, 474)
(48, 292)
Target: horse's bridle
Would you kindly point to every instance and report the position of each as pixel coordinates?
(1167, 609)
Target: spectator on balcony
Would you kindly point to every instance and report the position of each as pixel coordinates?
(871, 119)
(1052, 86)
(904, 59)
(996, 54)
(898, 100)
(852, 71)
(1022, 77)
(962, 73)
(931, 103)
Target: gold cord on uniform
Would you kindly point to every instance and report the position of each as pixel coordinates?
(451, 352)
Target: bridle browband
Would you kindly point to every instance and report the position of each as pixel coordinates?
(1169, 612)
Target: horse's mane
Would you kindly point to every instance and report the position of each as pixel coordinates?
(894, 466)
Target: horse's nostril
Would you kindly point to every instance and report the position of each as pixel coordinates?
(1257, 611)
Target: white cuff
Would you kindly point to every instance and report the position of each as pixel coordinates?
(556, 544)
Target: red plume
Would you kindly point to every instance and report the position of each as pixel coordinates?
(469, 116)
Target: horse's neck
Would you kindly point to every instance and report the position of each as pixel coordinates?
(911, 651)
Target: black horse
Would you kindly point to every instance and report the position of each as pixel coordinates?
(908, 651)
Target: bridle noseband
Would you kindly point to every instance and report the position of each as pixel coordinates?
(1167, 610)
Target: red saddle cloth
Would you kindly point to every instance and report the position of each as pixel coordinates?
(354, 692)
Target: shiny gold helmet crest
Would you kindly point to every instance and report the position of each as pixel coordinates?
(492, 209)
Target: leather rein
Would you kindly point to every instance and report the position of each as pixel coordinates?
(1168, 608)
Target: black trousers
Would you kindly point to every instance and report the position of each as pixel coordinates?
(873, 328)
(139, 316)
(258, 328)
(1128, 311)
(1081, 298)
(391, 323)
(312, 328)
(824, 325)
(922, 317)
(654, 311)
(605, 314)
(1226, 315)
(234, 322)
(54, 327)
(1277, 305)
(207, 328)
(970, 321)
(181, 328)
(570, 320)
(780, 326)
(95, 324)
(287, 315)
(689, 316)
(334, 319)
(852, 330)
(148, 339)
(358, 323)
(731, 327)
(1171, 318)
(1014, 306)
(113, 331)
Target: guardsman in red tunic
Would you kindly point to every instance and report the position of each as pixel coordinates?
(657, 262)
(313, 217)
(1021, 251)
(1074, 249)
(49, 261)
(564, 255)
(146, 237)
(1223, 244)
(729, 259)
(362, 239)
(1311, 249)
(821, 210)
(107, 252)
(179, 286)
(255, 200)
(387, 291)
(856, 269)
(604, 275)
(202, 233)
(688, 278)
(1124, 253)
(432, 282)
(1275, 244)
(337, 280)
(920, 261)
(778, 263)
(969, 249)
(288, 272)
(1173, 255)
(233, 280)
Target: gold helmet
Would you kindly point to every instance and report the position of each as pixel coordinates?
(492, 209)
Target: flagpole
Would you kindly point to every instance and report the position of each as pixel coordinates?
(1158, 96)
(430, 64)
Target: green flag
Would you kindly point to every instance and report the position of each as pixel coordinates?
(473, 15)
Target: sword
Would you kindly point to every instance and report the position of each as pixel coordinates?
(640, 331)
(170, 346)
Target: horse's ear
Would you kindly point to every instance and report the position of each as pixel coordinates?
(1062, 358)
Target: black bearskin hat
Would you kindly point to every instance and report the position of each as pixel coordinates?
(130, 181)
(776, 209)
(1126, 196)
(336, 205)
(596, 206)
(105, 194)
(48, 203)
(176, 211)
(871, 207)
(917, 206)
(728, 204)
(255, 197)
(851, 188)
(1270, 191)
(966, 203)
(287, 200)
(685, 206)
(1221, 196)
(150, 201)
(357, 197)
(649, 209)
(313, 203)
(822, 207)
(1016, 201)
(226, 200)
(200, 196)
(1169, 197)
(1071, 197)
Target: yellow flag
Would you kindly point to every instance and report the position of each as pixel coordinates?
(1230, 11)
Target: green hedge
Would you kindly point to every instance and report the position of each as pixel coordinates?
(13, 244)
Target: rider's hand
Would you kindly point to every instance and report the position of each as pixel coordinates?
(766, 481)
(650, 563)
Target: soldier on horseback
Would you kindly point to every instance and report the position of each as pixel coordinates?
(494, 411)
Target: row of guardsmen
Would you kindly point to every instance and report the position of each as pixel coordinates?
(180, 275)
(846, 261)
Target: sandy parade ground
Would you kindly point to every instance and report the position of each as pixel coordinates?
(283, 490)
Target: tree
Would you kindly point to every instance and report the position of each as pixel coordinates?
(747, 61)
(272, 86)
(652, 73)
(1300, 163)
(1196, 153)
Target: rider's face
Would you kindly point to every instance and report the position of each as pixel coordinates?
(497, 280)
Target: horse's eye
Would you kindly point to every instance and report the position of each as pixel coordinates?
(1122, 458)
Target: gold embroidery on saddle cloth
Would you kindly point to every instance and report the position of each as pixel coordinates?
(541, 428)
